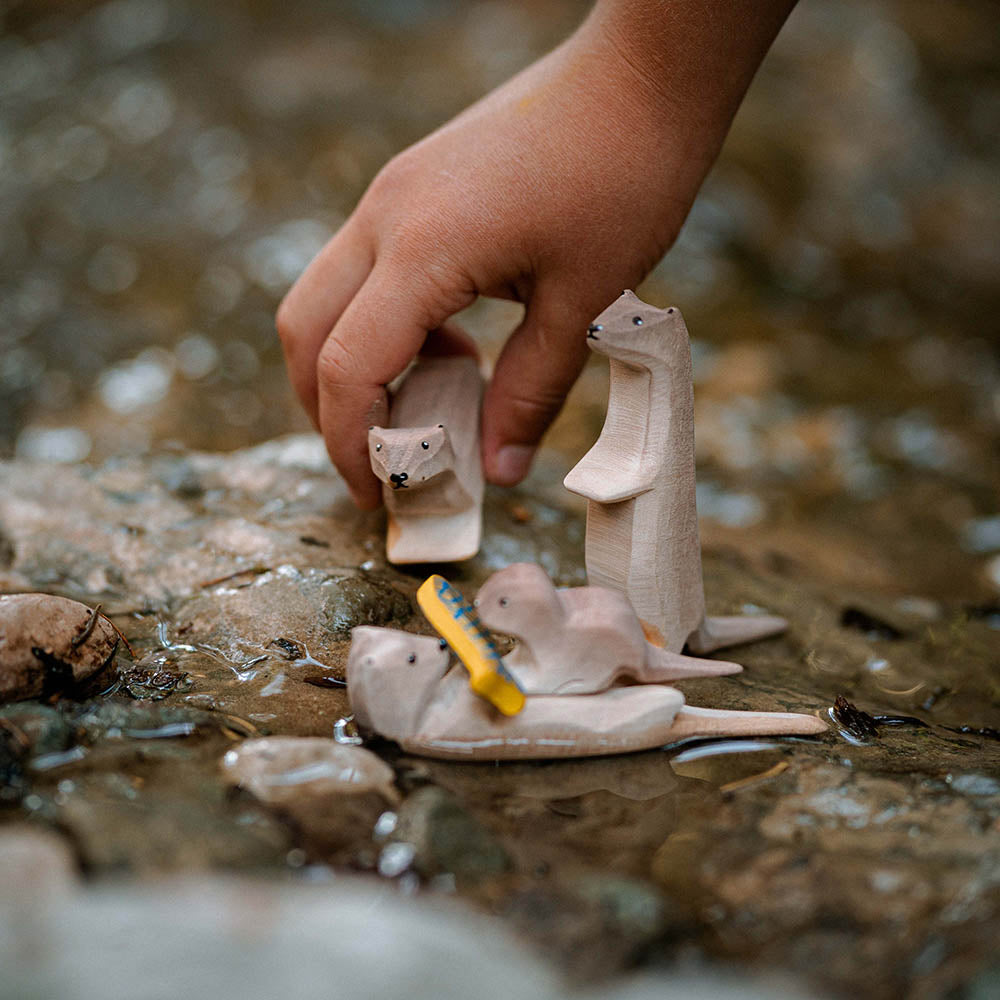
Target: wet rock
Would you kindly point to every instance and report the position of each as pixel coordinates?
(332, 793)
(447, 839)
(179, 476)
(46, 729)
(6, 551)
(593, 922)
(871, 625)
(50, 645)
(119, 535)
(13, 759)
(127, 822)
(859, 724)
(230, 589)
(98, 721)
(242, 938)
(288, 613)
(279, 770)
(151, 683)
(363, 600)
(35, 864)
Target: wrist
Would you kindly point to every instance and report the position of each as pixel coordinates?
(690, 59)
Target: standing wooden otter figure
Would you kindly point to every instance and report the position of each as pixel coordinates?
(429, 464)
(639, 479)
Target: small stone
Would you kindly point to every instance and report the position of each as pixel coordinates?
(34, 864)
(395, 859)
(364, 600)
(46, 729)
(446, 839)
(333, 794)
(282, 770)
(50, 645)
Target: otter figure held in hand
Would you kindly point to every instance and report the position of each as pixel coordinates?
(429, 464)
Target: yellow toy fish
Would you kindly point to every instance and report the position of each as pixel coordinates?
(457, 622)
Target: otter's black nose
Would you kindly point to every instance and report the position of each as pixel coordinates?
(398, 480)
(593, 330)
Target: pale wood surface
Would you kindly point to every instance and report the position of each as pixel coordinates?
(404, 687)
(429, 463)
(639, 480)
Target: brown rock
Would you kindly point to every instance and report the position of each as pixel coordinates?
(330, 793)
(50, 644)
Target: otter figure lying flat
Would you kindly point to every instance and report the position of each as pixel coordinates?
(406, 688)
(579, 640)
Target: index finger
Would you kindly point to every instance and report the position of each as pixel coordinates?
(376, 337)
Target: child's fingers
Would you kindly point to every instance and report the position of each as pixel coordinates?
(316, 301)
(376, 337)
(537, 367)
(448, 340)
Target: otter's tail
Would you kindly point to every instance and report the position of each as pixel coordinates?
(662, 665)
(719, 632)
(694, 723)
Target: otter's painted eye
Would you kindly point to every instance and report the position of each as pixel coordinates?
(378, 447)
(441, 426)
(424, 445)
(412, 658)
(442, 643)
(503, 602)
(637, 320)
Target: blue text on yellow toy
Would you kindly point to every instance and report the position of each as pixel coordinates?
(457, 622)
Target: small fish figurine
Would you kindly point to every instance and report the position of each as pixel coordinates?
(456, 621)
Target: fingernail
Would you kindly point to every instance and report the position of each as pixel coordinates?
(512, 463)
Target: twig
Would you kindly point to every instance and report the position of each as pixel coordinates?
(88, 628)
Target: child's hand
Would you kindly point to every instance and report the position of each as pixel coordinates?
(559, 190)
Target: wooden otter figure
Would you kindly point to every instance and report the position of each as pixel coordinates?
(578, 640)
(639, 479)
(406, 688)
(429, 463)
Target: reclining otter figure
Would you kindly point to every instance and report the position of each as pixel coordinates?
(407, 688)
(578, 640)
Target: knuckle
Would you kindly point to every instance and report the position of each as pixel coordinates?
(533, 406)
(334, 365)
(394, 178)
(286, 323)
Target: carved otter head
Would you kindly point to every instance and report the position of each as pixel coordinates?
(391, 677)
(410, 457)
(629, 330)
(518, 600)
